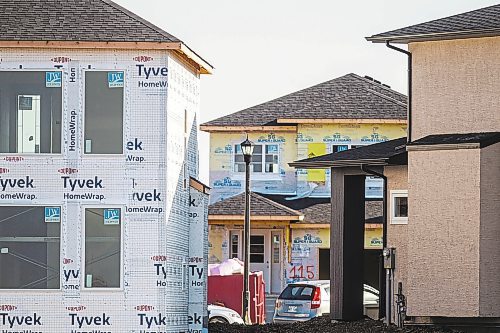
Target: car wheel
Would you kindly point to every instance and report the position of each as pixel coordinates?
(218, 320)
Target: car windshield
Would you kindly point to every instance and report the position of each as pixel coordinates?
(298, 292)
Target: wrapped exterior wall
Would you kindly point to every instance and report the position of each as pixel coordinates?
(148, 182)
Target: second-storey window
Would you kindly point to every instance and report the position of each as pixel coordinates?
(399, 207)
(265, 159)
(104, 112)
(30, 112)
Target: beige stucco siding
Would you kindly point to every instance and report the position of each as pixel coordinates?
(490, 232)
(397, 234)
(456, 86)
(444, 225)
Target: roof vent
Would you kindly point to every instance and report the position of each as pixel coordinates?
(377, 81)
(368, 77)
(386, 85)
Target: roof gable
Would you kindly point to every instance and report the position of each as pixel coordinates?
(75, 20)
(347, 97)
(260, 206)
(477, 23)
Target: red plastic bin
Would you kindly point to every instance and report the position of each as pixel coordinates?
(227, 290)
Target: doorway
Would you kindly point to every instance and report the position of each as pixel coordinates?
(324, 264)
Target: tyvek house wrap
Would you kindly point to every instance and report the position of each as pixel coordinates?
(148, 183)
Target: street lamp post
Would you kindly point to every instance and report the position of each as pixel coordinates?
(247, 150)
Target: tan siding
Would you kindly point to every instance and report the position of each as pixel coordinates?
(490, 232)
(443, 250)
(397, 234)
(456, 86)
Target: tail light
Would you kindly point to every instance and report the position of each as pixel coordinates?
(278, 303)
(316, 299)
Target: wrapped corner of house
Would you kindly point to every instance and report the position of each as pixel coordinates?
(98, 158)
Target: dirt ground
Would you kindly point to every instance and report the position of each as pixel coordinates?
(322, 325)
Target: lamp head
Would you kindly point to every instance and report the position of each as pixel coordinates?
(247, 148)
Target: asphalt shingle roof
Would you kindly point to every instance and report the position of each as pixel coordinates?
(75, 20)
(260, 206)
(476, 23)
(347, 97)
(315, 210)
(482, 139)
(379, 153)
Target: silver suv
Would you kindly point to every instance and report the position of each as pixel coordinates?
(302, 301)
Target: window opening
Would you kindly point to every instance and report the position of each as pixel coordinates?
(102, 247)
(30, 247)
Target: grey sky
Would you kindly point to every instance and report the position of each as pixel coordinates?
(263, 49)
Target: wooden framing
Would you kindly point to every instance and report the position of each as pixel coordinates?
(180, 48)
(339, 121)
(310, 226)
(255, 218)
(208, 128)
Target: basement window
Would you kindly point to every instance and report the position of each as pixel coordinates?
(104, 112)
(30, 247)
(399, 207)
(103, 247)
(30, 112)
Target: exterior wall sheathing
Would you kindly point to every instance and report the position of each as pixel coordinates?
(155, 235)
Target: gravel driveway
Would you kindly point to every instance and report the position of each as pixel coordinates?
(322, 325)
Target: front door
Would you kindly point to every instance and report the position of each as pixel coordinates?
(260, 254)
(276, 262)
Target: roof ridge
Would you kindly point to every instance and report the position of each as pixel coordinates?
(145, 22)
(275, 204)
(469, 24)
(381, 85)
(451, 16)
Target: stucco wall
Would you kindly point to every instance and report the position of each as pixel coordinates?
(397, 234)
(490, 232)
(443, 250)
(456, 80)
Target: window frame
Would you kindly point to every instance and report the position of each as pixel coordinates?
(263, 161)
(84, 112)
(349, 146)
(61, 269)
(235, 232)
(83, 256)
(63, 107)
(397, 194)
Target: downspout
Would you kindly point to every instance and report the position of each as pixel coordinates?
(408, 53)
(384, 302)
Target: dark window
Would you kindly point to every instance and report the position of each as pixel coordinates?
(401, 207)
(337, 148)
(30, 112)
(102, 247)
(297, 292)
(257, 249)
(104, 112)
(30, 247)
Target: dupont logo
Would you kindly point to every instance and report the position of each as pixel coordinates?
(7, 307)
(76, 308)
(13, 158)
(67, 261)
(159, 258)
(60, 60)
(4, 170)
(67, 171)
(144, 308)
(143, 58)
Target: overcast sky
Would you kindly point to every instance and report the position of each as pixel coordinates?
(263, 49)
